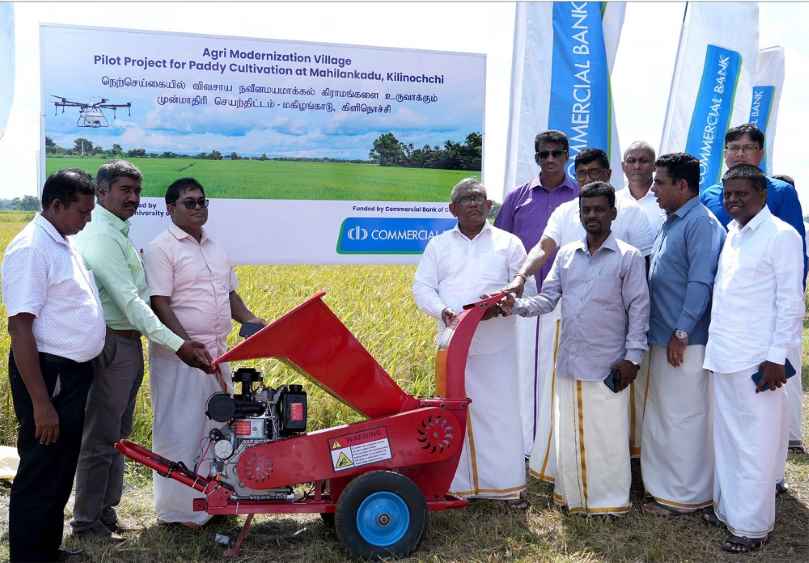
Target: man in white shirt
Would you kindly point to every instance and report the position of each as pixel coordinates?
(458, 266)
(193, 292)
(638, 166)
(564, 227)
(56, 326)
(756, 320)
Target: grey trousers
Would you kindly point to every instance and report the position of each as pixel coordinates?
(108, 418)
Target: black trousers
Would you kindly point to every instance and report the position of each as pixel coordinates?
(44, 479)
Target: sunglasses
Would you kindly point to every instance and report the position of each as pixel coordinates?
(543, 155)
(191, 203)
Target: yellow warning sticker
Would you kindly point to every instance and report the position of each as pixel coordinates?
(335, 445)
(343, 461)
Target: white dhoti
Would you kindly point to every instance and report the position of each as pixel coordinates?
(677, 448)
(492, 464)
(542, 464)
(794, 389)
(748, 454)
(180, 429)
(592, 447)
(638, 395)
(528, 377)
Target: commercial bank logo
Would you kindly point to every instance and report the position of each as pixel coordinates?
(357, 233)
(375, 235)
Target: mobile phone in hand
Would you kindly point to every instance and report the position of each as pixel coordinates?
(789, 371)
(249, 329)
(613, 381)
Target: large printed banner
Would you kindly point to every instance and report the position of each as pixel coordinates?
(711, 89)
(310, 153)
(767, 86)
(563, 56)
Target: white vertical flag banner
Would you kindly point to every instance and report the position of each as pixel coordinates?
(563, 56)
(767, 86)
(6, 62)
(712, 86)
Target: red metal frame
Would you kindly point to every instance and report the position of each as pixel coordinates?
(424, 435)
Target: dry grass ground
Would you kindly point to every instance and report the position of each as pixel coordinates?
(375, 303)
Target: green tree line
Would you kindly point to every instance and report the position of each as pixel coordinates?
(389, 151)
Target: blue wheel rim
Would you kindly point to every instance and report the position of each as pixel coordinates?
(383, 518)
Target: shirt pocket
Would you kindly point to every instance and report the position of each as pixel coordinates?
(606, 286)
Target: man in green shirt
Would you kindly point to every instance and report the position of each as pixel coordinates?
(113, 260)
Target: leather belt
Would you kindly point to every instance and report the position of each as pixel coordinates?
(130, 334)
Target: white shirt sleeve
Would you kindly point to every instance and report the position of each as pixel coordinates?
(553, 228)
(425, 284)
(25, 281)
(789, 304)
(547, 299)
(516, 257)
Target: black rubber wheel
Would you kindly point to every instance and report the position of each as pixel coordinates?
(381, 514)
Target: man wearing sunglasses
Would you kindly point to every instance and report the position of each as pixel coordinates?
(193, 289)
(525, 212)
(116, 264)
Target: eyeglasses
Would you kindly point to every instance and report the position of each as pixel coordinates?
(557, 153)
(593, 174)
(471, 199)
(191, 203)
(630, 160)
(742, 148)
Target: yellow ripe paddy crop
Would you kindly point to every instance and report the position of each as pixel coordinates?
(374, 302)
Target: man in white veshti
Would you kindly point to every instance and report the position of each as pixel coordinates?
(677, 449)
(759, 277)
(638, 166)
(564, 227)
(193, 289)
(601, 283)
(457, 267)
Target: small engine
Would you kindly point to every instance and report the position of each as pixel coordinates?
(255, 415)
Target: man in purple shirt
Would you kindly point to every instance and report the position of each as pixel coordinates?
(525, 213)
(526, 208)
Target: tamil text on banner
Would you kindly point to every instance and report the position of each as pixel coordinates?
(711, 88)
(6, 62)
(767, 86)
(309, 152)
(563, 56)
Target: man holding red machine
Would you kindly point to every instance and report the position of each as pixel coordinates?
(193, 290)
(457, 267)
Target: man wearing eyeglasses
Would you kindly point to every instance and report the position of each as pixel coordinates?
(193, 291)
(525, 212)
(105, 247)
(745, 145)
(457, 267)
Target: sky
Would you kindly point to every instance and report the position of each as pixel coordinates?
(641, 77)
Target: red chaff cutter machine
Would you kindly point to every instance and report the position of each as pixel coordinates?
(374, 480)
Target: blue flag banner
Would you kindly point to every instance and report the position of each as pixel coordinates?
(6, 62)
(761, 110)
(767, 86)
(712, 82)
(711, 116)
(563, 55)
(580, 93)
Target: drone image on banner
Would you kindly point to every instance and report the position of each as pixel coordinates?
(91, 114)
